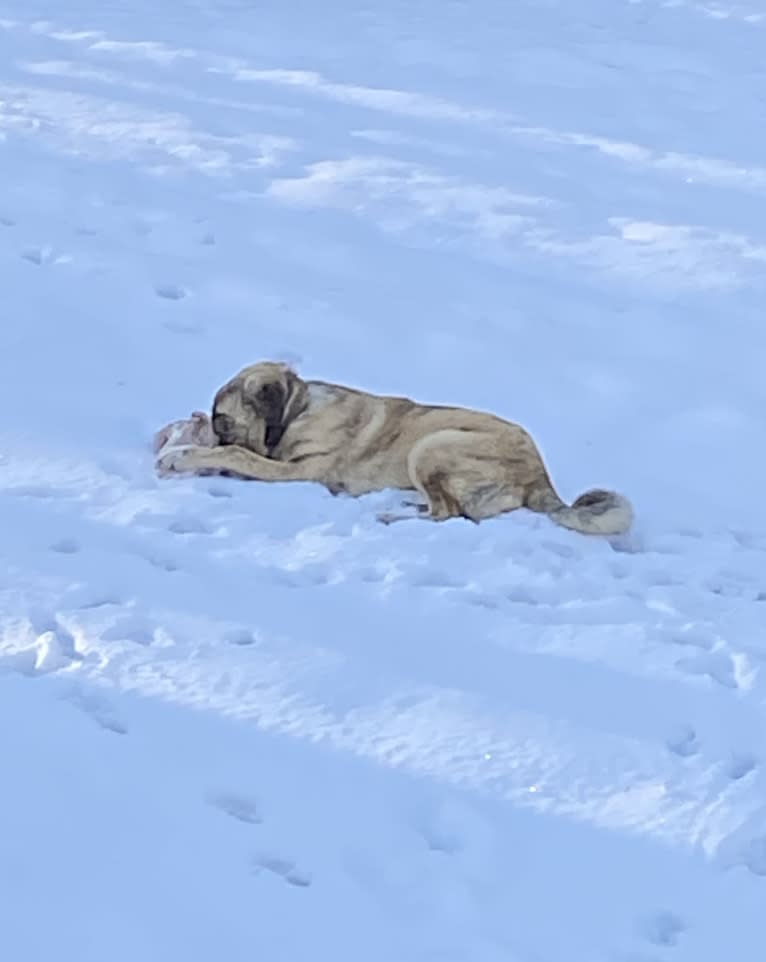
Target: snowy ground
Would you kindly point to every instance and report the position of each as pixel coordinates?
(244, 721)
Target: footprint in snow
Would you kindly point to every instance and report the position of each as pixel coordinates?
(683, 742)
(283, 867)
(433, 578)
(35, 255)
(740, 765)
(189, 524)
(692, 637)
(442, 839)
(480, 599)
(101, 601)
(65, 546)
(218, 491)
(521, 595)
(43, 255)
(241, 637)
(663, 928)
(165, 564)
(170, 292)
(620, 570)
(716, 665)
(754, 856)
(177, 326)
(98, 710)
(238, 807)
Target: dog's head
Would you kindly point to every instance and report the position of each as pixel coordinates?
(256, 406)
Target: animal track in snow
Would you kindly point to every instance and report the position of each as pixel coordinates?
(162, 562)
(432, 578)
(683, 742)
(35, 255)
(238, 807)
(282, 867)
(65, 546)
(740, 765)
(717, 665)
(522, 595)
(692, 637)
(101, 601)
(481, 599)
(43, 255)
(663, 928)
(99, 711)
(177, 326)
(219, 492)
(754, 855)
(242, 637)
(7, 222)
(442, 839)
(170, 292)
(189, 524)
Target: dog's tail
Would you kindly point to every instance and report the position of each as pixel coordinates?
(594, 512)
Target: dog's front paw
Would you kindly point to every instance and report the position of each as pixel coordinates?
(180, 460)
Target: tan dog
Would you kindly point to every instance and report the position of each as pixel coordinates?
(273, 426)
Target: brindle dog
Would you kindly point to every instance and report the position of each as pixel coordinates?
(271, 425)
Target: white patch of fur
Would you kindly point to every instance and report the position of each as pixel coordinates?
(615, 519)
(319, 395)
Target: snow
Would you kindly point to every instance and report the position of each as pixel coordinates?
(243, 721)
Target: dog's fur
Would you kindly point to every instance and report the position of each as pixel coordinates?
(272, 425)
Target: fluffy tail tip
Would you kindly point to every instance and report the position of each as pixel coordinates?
(603, 512)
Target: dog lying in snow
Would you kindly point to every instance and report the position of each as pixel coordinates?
(268, 424)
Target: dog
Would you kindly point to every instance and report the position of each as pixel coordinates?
(271, 425)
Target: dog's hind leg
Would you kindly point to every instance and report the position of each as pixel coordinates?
(460, 478)
(438, 489)
(440, 505)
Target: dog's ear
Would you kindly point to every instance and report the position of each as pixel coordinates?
(273, 401)
(269, 401)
